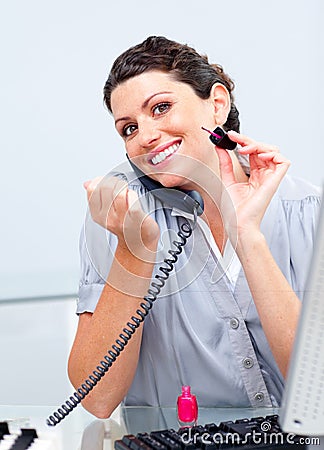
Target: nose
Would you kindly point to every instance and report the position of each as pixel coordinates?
(148, 133)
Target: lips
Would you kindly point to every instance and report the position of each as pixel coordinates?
(165, 153)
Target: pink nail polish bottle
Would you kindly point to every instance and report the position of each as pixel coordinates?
(187, 408)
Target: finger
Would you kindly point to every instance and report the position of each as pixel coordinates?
(279, 161)
(257, 163)
(113, 194)
(225, 167)
(273, 161)
(275, 156)
(135, 211)
(112, 191)
(114, 202)
(91, 185)
(250, 145)
(266, 159)
(258, 147)
(133, 202)
(101, 192)
(93, 195)
(241, 139)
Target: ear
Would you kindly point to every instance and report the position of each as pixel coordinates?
(221, 102)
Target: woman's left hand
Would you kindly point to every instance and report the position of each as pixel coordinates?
(243, 204)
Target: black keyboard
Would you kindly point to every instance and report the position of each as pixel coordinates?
(246, 434)
(25, 438)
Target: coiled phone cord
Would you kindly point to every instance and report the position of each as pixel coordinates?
(185, 231)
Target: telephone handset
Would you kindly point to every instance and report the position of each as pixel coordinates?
(190, 202)
(187, 201)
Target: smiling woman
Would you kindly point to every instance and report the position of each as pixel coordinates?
(226, 318)
(151, 116)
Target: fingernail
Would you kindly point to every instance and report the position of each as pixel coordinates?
(86, 184)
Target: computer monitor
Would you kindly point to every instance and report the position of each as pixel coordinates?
(302, 410)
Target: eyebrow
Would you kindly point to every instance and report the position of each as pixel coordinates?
(144, 105)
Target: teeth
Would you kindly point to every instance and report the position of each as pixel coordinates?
(162, 155)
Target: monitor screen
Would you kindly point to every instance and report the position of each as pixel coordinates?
(302, 410)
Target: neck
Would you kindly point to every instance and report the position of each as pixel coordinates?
(211, 194)
(206, 180)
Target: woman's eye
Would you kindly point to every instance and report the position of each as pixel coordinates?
(161, 108)
(129, 129)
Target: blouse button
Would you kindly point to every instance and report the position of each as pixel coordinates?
(234, 323)
(248, 363)
(259, 396)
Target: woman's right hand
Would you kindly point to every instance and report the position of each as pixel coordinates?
(117, 208)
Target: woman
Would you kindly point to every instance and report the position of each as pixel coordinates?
(225, 321)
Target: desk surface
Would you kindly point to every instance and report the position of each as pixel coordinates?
(82, 431)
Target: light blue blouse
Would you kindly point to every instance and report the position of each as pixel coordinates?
(203, 331)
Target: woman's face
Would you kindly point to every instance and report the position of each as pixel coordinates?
(160, 120)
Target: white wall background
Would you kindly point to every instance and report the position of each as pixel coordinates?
(55, 132)
(35, 342)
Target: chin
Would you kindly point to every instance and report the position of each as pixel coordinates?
(172, 181)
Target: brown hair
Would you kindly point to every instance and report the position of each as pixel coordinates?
(181, 61)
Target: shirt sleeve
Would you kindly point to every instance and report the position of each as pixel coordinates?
(302, 218)
(97, 248)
